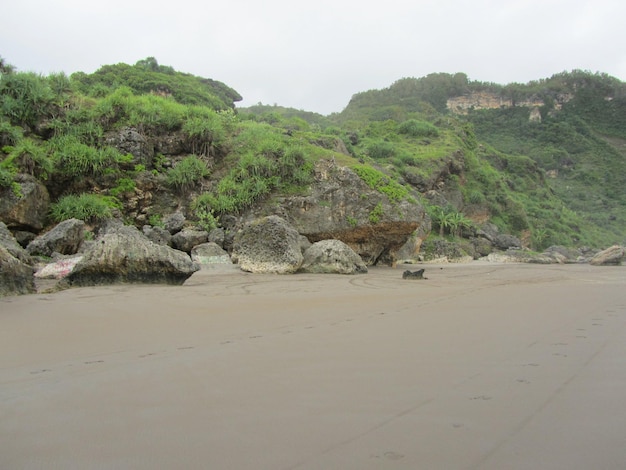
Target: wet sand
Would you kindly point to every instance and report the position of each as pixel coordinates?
(479, 367)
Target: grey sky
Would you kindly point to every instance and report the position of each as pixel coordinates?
(316, 55)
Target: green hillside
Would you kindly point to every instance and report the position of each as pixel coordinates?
(99, 141)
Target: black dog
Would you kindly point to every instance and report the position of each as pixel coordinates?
(419, 274)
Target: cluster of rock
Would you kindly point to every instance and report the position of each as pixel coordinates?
(171, 254)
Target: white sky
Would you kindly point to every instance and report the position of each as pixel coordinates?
(316, 55)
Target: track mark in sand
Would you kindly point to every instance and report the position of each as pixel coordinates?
(559, 344)
(481, 397)
(185, 347)
(559, 354)
(255, 336)
(147, 354)
(227, 342)
(389, 455)
(532, 364)
(523, 381)
(94, 362)
(40, 371)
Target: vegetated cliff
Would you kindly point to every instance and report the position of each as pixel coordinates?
(98, 147)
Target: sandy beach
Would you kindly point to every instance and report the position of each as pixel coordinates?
(481, 366)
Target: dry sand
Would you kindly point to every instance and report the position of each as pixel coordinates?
(479, 367)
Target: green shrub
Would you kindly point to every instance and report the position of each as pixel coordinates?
(205, 131)
(6, 177)
(29, 157)
(87, 207)
(9, 135)
(376, 214)
(381, 182)
(187, 173)
(76, 159)
(416, 128)
(124, 185)
(381, 150)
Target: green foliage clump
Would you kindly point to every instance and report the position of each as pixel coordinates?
(29, 157)
(6, 177)
(416, 128)
(148, 77)
(187, 173)
(449, 221)
(9, 135)
(376, 214)
(87, 207)
(381, 182)
(381, 149)
(75, 159)
(25, 98)
(124, 186)
(205, 131)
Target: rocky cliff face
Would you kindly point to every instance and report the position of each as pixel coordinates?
(487, 100)
(341, 206)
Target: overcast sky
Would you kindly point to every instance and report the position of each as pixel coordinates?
(316, 55)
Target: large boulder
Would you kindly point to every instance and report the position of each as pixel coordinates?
(65, 238)
(268, 245)
(611, 256)
(27, 208)
(332, 256)
(209, 254)
(15, 276)
(12, 246)
(123, 254)
(186, 239)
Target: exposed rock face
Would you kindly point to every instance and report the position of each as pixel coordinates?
(342, 207)
(65, 238)
(29, 211)
(15, 276)
(129, 140)
(499, 240)
(268, 245)
(123, 254)
(208, 254)
(158, 235)
(564, 255)
(10, 244)
(611, 256)
(58, 269)
(186, 239)
(332, 256)
(174, 222)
